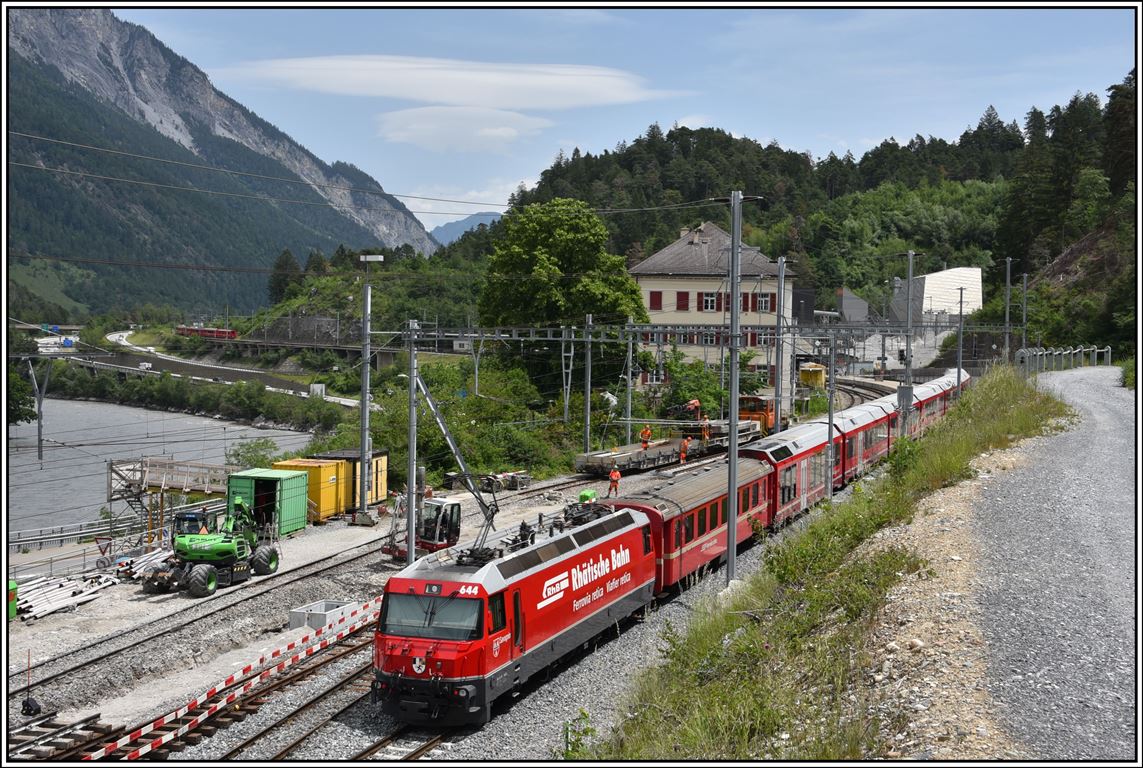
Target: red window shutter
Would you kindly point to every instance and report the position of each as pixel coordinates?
(745, 305)
(643, 377)
(754, 338)
(656, 300)
(753, 302)
(682, 301)
(773, 302)
(718, 302)
(700, 299)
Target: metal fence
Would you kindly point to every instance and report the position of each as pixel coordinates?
(1032, 360)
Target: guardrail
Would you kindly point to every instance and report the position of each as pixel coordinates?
(60, 535)
(1032, 360)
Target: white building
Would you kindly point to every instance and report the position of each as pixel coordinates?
(939, 292)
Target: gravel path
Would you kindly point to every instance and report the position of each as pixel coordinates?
(1058, 572)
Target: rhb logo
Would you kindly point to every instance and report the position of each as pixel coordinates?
(554, 589)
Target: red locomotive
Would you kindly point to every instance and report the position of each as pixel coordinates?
(206, 333)
(461, 627)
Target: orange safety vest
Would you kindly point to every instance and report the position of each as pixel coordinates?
(614, 476)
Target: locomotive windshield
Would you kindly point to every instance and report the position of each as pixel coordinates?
(438, 618)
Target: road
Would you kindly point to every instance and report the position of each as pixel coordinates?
(225, 374)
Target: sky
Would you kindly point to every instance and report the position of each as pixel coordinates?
(466, 104)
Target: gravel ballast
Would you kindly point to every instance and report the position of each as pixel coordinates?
(1055, 609)
(1059, 578)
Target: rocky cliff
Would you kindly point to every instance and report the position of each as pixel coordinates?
(124, 65)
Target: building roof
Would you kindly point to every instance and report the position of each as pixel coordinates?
(705, 251)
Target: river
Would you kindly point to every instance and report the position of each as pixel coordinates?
(70, 484)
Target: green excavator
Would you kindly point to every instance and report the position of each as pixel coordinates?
(207, 556)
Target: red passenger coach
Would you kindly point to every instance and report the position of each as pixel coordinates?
(206, 333)
(688, 516)
(458, 630)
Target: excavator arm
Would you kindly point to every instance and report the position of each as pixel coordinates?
(486, 509)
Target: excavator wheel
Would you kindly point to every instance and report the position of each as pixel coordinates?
(203, 580)
(265, 560)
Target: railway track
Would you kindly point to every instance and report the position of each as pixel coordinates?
(46, 737)
(356, 682)
(405, 743)
(222, 707)
(130, 640)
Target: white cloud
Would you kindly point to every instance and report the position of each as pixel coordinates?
(493, 196)
(459, 129)
(695, 121)
(454, 82)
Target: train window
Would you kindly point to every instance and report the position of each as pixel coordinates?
(851, 446)
(689, 528)
(678, 533)
(713, 516)
(646, 539)
(722, 511)
(496, 608)
(754, 495)
(701, 521)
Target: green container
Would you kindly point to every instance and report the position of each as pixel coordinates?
(11, 599)
(276, 496)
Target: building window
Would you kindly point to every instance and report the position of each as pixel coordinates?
(765, 305)
(682, 301)
(708, 338)
(653, 376)
(709, 302)
(656, 300)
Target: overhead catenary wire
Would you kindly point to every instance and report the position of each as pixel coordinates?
(204, 167)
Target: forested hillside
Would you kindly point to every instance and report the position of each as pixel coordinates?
(1000, 191)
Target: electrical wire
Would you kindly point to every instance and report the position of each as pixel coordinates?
(253, 175)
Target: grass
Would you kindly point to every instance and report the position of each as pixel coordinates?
(770, 675)
(1128, 367)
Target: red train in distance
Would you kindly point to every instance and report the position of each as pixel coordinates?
(460, 628)
(206, 333)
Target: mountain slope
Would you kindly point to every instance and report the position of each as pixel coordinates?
(447, 233)
(85, 77)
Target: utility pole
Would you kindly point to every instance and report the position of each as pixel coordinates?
(627, 409)
(566, 352)
(778, 347)
(366, 310)
(909, 325)
(829, 420)
(1007, 297)
(732, 448)
(960, 342)
(587, 388)
(366, 453)
(905, 393)
(1024, 320)
(40, 392)
(411, 498)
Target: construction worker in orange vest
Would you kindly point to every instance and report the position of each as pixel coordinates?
(645, 436)
(683, 449)
(705, 429)
(614, 478)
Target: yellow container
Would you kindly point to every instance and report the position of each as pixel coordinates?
(327, 482)
(812, 375)
(379, 472)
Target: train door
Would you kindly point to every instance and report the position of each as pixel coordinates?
(517, 641)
